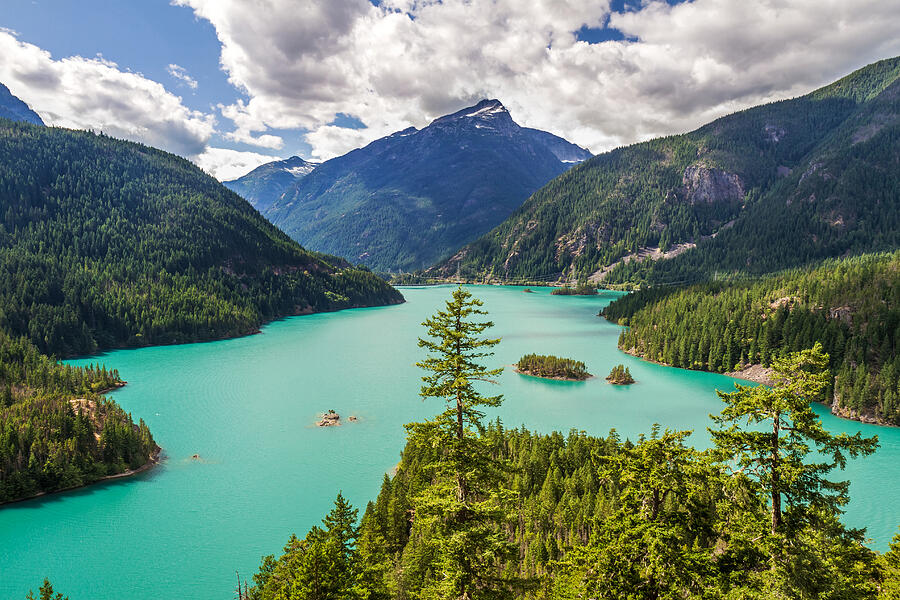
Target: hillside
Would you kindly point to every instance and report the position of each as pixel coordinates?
(412, 198)
(56, 431)
(774, 186)
(14, 109)
(106, 243)
(850, 306)
(264, 185)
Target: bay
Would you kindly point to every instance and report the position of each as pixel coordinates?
(247, 407)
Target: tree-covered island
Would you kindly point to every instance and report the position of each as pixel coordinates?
(620, 375)
(552, 367)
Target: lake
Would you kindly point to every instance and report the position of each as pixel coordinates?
(248, 408)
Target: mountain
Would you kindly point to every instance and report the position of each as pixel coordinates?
(14, 109)
(106, 243)
(409, 199)
(778, 185)
(265, 184)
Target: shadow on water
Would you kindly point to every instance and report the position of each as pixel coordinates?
(88, 490)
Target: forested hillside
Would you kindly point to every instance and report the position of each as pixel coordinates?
(56, 431)
(850, 306)
(771, 187)
(106, 243)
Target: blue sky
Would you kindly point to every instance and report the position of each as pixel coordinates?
(320, 77)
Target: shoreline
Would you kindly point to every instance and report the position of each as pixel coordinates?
(759, 374)
(530, 374)
(155, 459)
(257, 329)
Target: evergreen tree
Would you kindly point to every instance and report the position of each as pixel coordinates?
(771, 438)
(464, 506)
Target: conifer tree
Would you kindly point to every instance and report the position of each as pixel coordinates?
(771, 438)
(465, 505)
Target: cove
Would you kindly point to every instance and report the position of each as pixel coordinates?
(248, 406)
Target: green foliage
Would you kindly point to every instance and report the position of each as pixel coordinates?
(56, 432)
(462, 508)
(541, 365)
(581, 289)
(46, 593)
(771, 438)
(479, 511)
(890, 563)
(106, 243)
(849, 306)
(319, 567)
(620, 375)
(760, 190)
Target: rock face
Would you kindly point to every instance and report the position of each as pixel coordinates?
(416, 196)
(14, 109)
(703, 185)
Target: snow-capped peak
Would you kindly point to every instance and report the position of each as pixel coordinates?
(486, 109)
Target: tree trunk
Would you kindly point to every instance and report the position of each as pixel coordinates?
(776, 484)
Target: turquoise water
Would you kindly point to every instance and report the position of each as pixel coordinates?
(248, 406)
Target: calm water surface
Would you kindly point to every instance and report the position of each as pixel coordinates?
(248, 407)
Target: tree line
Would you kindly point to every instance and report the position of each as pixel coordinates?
(850, 306)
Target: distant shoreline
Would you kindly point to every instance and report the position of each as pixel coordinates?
(152, 462)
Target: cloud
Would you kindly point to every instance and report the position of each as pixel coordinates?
(93, 93)
(405, 62)
(225, 164)
(179, 72)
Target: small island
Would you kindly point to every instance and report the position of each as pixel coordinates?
(552, 367)
(582, 289)
(528, 291)
(330, 419)
(620, 375)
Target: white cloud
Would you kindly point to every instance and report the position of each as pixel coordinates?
(407, 61)
(225, 164)
(179, 72)
(93, 93)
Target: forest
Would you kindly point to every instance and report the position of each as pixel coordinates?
(106, 243)
(56, 430)
(849, 306)
(780, 185)
(481, 511)
(542, 365)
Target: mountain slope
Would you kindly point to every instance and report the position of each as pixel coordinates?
(106, 243)
(715, 188)
(408, 199)
(14, 109)
(265, 184)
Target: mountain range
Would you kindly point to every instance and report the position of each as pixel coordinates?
(14, 109)
(778, 185)
(265, 185)
(411, 198)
